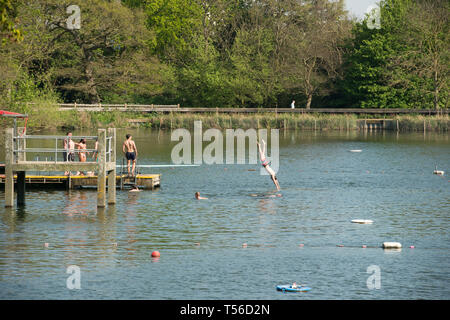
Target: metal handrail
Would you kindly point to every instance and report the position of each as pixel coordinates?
(54, 150)
(57, 150)
(56, 137)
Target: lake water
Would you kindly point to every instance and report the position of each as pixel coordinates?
(324, 186)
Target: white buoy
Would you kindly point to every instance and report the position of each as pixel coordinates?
(356, 150)
(362, 221)
(392, 245)
(438, 172)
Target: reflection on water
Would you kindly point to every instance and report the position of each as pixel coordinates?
(324, 186)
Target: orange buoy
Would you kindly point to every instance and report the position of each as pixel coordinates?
(364, 246)
(156, 254)
(301, 245)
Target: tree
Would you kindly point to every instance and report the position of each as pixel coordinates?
(8, 29)
(93, 60)
(173, 23)
(404, 64)
(312, 50)
(253, 77)
(423, 60)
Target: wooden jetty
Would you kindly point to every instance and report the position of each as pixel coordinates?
(17, 163)
(145, 181)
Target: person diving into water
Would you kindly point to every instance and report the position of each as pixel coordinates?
(265, 163)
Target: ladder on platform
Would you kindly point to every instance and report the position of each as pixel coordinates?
(125, 179)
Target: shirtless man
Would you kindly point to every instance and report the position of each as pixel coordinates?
(130, 151)
(69, 149)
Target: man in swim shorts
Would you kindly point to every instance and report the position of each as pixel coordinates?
(130, 151)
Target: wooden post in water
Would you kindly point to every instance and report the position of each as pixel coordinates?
(21, 156)
(112, 173)
(101, 175)
(20, 188)
(9, 174)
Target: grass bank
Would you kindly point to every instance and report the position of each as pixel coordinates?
(296, 121)
(44, 117)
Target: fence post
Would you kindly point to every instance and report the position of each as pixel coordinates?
(20, 188)
(112, 173)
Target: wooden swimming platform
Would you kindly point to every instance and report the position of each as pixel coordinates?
(143, 181)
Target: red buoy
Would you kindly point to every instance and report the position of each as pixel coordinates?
(156, 254)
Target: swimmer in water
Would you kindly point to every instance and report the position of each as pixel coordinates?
(135, 189)
(197, 196)
(265, 164)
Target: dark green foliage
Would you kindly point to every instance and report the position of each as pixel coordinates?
(225, 53)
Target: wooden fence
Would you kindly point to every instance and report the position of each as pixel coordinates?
(176, 108)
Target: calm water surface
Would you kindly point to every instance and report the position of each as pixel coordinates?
(324, 186)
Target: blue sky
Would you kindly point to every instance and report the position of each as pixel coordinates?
(359, 7)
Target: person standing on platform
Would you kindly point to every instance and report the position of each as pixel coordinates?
(82, 154)
(293, 104)
(69, 148)
(130, 151)
(95, 153)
